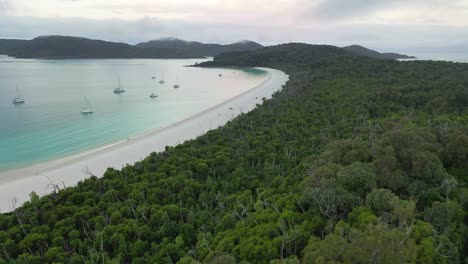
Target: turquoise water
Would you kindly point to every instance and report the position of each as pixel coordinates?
(50, 125)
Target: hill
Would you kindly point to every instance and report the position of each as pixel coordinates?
(292, 55)
(7, 46)
(76, 47)
(198, 48)
(356, 160)
(374, 54)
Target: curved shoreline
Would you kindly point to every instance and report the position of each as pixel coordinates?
(68, 171)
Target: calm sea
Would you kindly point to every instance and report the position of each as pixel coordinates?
(453, 57)
(49, 124)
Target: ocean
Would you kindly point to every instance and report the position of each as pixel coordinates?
(49, 124)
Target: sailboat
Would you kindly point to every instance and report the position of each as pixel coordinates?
(87, 109)
(19, 98)
(162, 79)
(176, 85)
(119, 89)
(153, 95)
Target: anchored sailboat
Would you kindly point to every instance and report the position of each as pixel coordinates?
(153, 95)
(176, 85)
(119, 88)
(87, 109)
(19, 98)
(162, 79)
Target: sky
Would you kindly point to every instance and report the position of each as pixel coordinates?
(385, 25)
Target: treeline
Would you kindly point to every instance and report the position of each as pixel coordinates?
(356, 160)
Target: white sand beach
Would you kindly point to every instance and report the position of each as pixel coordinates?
(16, 185)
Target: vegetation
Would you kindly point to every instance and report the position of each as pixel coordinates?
(356, 160)
(198, 49)
(376, 55)
(75, 47)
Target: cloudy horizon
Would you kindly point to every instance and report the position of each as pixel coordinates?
(386, 25)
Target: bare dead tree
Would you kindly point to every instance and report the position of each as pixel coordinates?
(288, 236)
(87, 171)
(18, 218)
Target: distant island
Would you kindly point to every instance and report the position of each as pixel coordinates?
(64, 47)
(57, 47)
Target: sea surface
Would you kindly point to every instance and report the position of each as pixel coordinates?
(461, 57)
(49, 124)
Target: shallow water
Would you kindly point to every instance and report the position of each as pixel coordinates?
(49, 124)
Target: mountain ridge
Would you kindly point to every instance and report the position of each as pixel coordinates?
(201, 49)
(358, 49)
(58, 46)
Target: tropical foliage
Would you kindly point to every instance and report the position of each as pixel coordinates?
(356, 160)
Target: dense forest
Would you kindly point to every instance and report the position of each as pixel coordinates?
(356, 160)
(377, 55)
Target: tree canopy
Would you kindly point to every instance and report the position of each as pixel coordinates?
(356, 160)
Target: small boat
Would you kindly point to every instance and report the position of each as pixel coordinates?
(220, 75)
(19, 98)
(162, 79)
(119, 89)
(176, 85)
(87, 109)
(154, 78)
(153, 95)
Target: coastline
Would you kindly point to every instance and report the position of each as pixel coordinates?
(17, 184)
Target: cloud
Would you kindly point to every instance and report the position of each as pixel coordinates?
(6, 6)
(380, 36)
(390, 25)
(342, 9)
(454, 12)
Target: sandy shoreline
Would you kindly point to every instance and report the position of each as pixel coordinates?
(18, 184)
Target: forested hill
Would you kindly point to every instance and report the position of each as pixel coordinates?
(375, 54)
(356, 160)
(289, 57)
(200, 49)
(77, 47)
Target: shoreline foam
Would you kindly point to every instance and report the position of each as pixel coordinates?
(68, 171)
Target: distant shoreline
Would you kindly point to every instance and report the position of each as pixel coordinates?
(68, 171)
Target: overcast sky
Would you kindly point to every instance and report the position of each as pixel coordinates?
(387, 25)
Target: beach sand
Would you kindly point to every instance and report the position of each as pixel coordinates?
(16, 185)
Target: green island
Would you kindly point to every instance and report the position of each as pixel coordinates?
(356, 160)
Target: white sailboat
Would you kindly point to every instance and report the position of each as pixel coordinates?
(19, 98)
(119, 88)
(176, 85)
(153, 95)
(87, 109)
(162, 79)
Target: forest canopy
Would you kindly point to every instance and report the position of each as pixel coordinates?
(356, 160)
